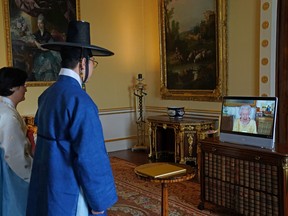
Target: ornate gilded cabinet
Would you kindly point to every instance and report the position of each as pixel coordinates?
(176, 138)
(248, 180)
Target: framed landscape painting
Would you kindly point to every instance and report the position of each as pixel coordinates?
(30, 23)
(193, 49)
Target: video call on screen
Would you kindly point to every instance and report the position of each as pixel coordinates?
(262, 114)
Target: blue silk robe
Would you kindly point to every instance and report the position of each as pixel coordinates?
(70, 154)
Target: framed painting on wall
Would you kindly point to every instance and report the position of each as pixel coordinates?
(193, 49)
(30, 23)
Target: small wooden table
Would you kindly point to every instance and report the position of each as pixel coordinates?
(190, 173)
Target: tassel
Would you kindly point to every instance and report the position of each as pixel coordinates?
(83, 83)
(83, 86)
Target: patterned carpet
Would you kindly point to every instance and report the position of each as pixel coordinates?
(141, 198)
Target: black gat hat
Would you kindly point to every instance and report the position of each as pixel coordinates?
(78, 36)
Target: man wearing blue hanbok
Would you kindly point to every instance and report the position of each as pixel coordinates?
(71, 172)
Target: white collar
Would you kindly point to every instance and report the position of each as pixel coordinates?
(7, 101)
(71, 73)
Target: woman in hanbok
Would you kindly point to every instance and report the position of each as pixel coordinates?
(15, 148)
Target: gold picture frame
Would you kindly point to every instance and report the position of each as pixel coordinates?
(22, 34)
(193, 49)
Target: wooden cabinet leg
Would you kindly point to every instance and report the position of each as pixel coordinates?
(201, 206)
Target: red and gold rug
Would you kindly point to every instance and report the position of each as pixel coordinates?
(141, 198)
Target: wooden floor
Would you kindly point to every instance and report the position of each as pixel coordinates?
(137, 157)
(140, 156)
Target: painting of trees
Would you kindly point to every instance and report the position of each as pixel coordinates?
(190, 53)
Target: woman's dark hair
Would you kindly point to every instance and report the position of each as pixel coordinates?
(11, 77)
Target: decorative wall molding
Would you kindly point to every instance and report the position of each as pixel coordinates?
(118, 110)
(268, 23)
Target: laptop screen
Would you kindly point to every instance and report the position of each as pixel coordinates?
(245, 118)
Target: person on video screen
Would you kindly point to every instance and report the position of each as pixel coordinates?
(245, 123)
